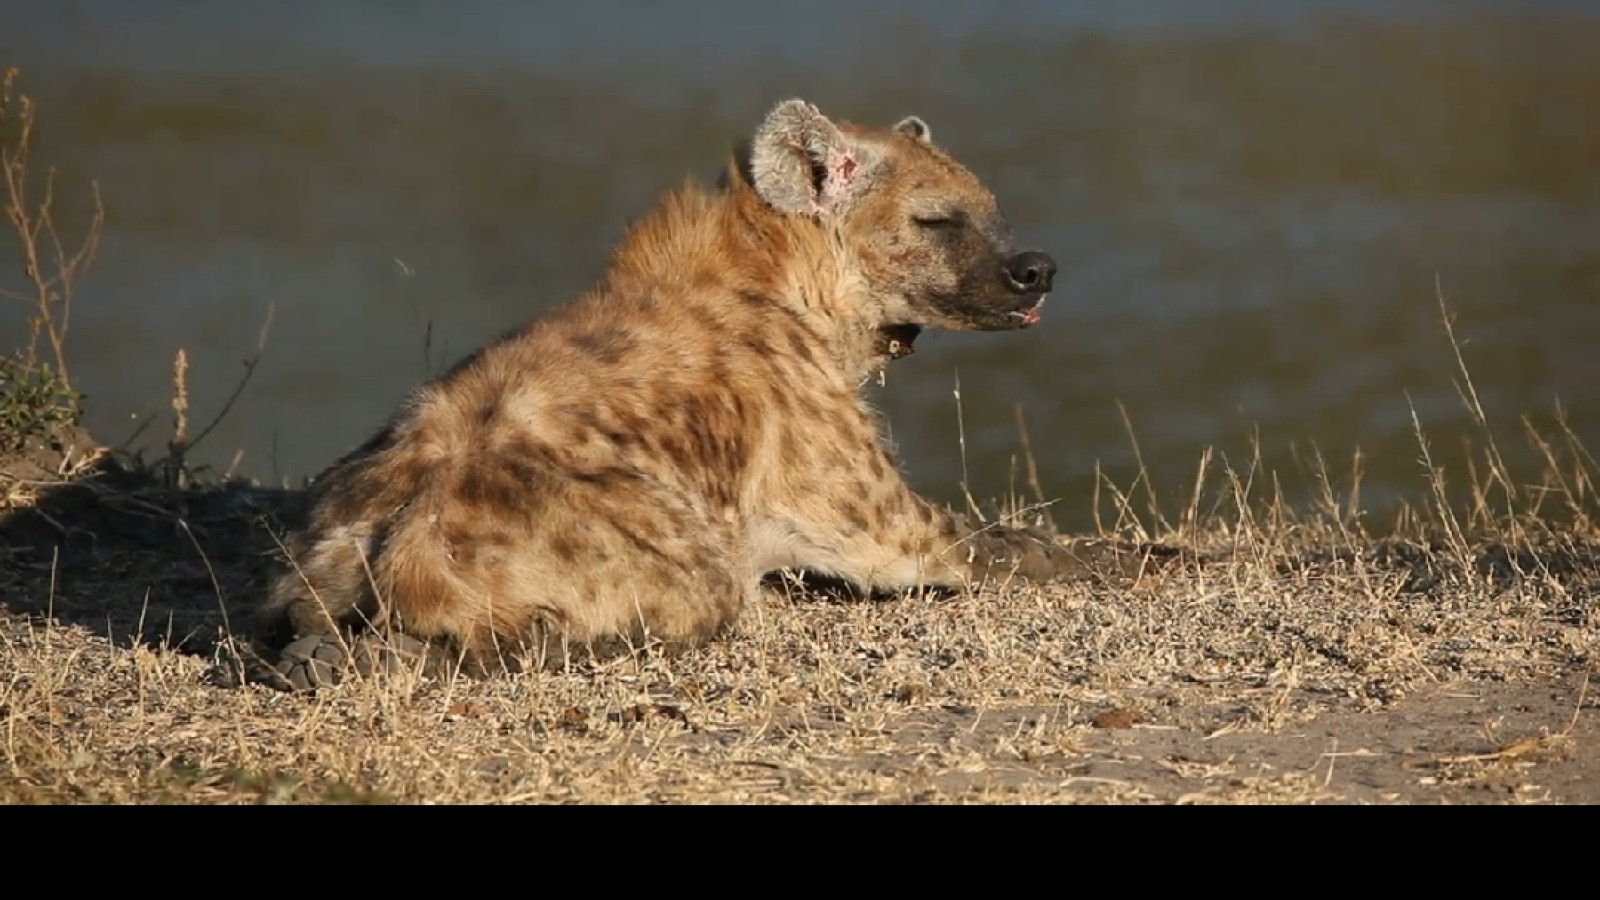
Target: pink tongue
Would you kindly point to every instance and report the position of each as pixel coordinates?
(1031, 317)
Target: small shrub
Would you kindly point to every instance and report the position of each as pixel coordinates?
(34, 403)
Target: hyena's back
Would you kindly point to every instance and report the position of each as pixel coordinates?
(583, 478)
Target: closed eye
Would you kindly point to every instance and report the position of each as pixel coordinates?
(953, 220)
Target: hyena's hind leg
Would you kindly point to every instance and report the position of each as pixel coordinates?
(322, 619)
(617, 566)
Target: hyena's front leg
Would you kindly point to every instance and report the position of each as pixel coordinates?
(885, 536)
(845, 510)
(855, 517)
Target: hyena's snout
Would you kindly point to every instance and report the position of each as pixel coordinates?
(1030, 272)
(1029, 275)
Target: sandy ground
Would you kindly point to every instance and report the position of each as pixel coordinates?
(1306, 663)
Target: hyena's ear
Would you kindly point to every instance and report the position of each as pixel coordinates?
(913, 127)
(800, 162)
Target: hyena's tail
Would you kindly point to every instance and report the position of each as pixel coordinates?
(391, 545)
(369, 556)
(422, 584)
(321, 586)
(377, 560)
(317, 595)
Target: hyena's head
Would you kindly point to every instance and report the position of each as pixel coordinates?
(925, 235)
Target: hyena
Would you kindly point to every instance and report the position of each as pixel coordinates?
(629, 466)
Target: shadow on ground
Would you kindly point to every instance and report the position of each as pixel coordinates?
(111, 544)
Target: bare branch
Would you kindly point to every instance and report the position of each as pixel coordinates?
(34, 223)
(249, 371)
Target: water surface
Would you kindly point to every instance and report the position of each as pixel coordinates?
(1252, 203)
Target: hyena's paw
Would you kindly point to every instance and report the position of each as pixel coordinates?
(1028, 553)
(1106, 558)
(320, 660)
(1038, 556)
(310, 662)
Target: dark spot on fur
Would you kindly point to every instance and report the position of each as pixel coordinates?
(800, 347)
(455, 549)
(856, 515)
(600, 475)
(565, 548)
(527, 473)
(757, 343)
(490, 489)
(707, 447)
(675, 448)
(878, 467)
(704, 559)
(911, 546)
(639, 541)
(532, 459)
(705, 280)
(608, 345)
(715, 332)
(609, 426)
(631, 422)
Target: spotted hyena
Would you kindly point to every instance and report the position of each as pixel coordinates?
(628, 467)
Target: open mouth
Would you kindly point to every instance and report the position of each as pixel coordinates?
(898, 341)
(1030, 316)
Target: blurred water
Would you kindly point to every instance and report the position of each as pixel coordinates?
(1251, 201)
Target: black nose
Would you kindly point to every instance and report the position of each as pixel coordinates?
(1030, 272)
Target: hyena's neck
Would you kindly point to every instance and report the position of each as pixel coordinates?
(728, 244)
(804, 268)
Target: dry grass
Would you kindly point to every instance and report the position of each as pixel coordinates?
(1311, 658)
(1306, 661)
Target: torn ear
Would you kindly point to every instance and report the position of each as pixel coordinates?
(800, 162)
(916, 129)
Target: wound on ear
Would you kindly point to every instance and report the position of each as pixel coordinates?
(839, 178)
(801, 163)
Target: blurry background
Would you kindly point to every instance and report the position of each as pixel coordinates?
(1251, 201)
